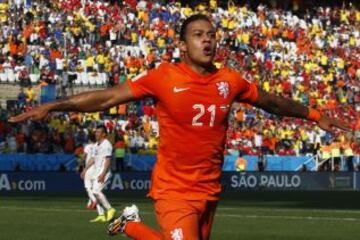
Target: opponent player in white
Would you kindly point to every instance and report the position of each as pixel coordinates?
(88, 173)
(102, 161)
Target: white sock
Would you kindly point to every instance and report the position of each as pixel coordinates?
(103, 200)
(91, 195)
(100, 209)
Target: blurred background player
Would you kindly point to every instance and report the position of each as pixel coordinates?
(102, 174)
(88, 173)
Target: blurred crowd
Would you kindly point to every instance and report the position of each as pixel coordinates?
(312, 57)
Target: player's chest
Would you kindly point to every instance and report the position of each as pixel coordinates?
(198, 103)
(98, 151)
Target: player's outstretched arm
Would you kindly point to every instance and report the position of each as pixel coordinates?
(285, 107)
(91, 101)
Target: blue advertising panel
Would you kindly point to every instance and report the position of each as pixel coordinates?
(40, 182)
(357, 180)
(314, 181)
(274, 163)
(138, 162)
(37, 162)
(57, 182)
(53, 182)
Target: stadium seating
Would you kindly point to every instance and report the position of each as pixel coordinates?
(101, 79)
(91, 79)
(11, 76)
(84, 78)
(3, 77)
(78, 80)
(242, 30)
(34, 78)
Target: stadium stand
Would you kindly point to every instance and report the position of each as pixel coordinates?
(312, 57)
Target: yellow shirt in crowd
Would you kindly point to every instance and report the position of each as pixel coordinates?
(4, 8)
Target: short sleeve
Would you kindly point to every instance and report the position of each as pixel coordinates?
(144, 84)
(86, 149)
(248, 92)
(108, 150)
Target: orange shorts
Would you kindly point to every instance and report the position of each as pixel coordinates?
(185, 219)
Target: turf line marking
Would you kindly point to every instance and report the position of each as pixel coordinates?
(289, 209)
(236, 209)
(312, 218)
(45, 209)
(290, 217)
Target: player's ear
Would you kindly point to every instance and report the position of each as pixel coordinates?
(182, 46)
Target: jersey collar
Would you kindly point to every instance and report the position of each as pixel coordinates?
(194, 75)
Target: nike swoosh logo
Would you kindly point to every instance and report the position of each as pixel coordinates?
(176, 90)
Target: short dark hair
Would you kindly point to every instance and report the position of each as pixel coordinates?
(91, 137)
(103, 128)
(189, 20)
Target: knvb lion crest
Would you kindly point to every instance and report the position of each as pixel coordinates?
(223, 88)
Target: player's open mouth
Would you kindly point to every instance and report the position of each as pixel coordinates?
(207, 51)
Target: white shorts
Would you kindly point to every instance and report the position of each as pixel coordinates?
(89, 177)
(97, 186)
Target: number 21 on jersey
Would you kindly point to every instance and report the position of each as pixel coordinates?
(196, 121)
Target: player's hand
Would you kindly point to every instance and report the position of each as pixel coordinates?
(331, 124)
(101, 178)
(34, 114)
(82, 174)
(114, 227)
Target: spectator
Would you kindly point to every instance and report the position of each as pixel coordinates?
(311, 57)
(261, 164)
(119, 147)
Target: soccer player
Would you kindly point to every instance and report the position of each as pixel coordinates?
(88, 173)
(102, 174)
(193, 102)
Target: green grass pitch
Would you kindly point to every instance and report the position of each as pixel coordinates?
(244, 216)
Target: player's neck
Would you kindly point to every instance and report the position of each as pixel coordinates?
(100, 141)
(199, 69)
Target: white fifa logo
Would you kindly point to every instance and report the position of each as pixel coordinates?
(177, 234)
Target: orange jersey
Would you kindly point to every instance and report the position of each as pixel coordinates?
(192, 113)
